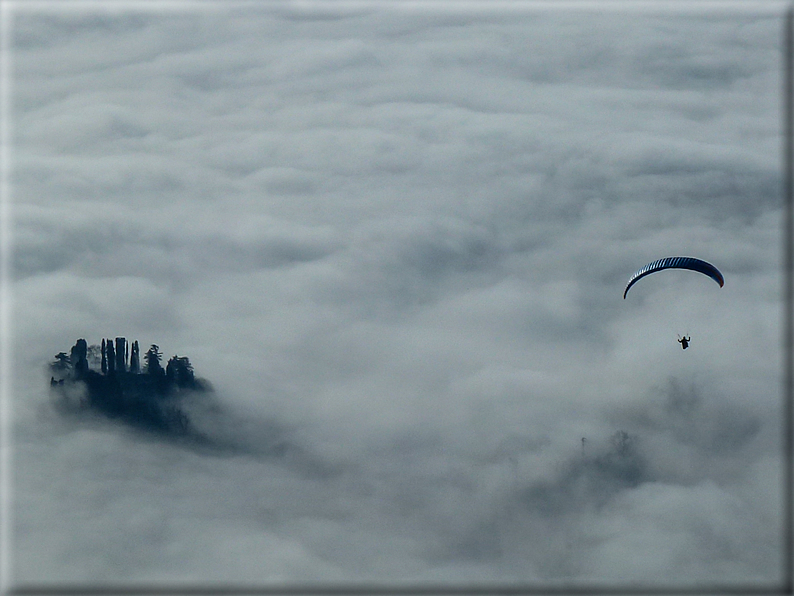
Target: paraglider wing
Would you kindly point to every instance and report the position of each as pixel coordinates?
(676, 263)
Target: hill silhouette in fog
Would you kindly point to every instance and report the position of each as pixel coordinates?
(113, 379)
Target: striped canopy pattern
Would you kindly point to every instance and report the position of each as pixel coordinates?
(690, 263)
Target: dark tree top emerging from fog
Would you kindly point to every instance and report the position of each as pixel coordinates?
(150, 398)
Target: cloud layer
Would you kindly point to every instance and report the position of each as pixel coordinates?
(395, 240)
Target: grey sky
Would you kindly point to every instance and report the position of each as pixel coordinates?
(395, 239)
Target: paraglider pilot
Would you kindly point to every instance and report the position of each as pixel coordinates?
(684, 341)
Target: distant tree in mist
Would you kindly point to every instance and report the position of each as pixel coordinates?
(180, 371)
(153, 357)
(104, 358)
(591, 481)
(94, 356)
(623, 443)
(622, 463)
(61, 366)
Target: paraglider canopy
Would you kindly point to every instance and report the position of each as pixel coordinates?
(690, 263)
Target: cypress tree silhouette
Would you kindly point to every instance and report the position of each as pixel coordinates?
(135, 359)
(120, 350)
(111, 357)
